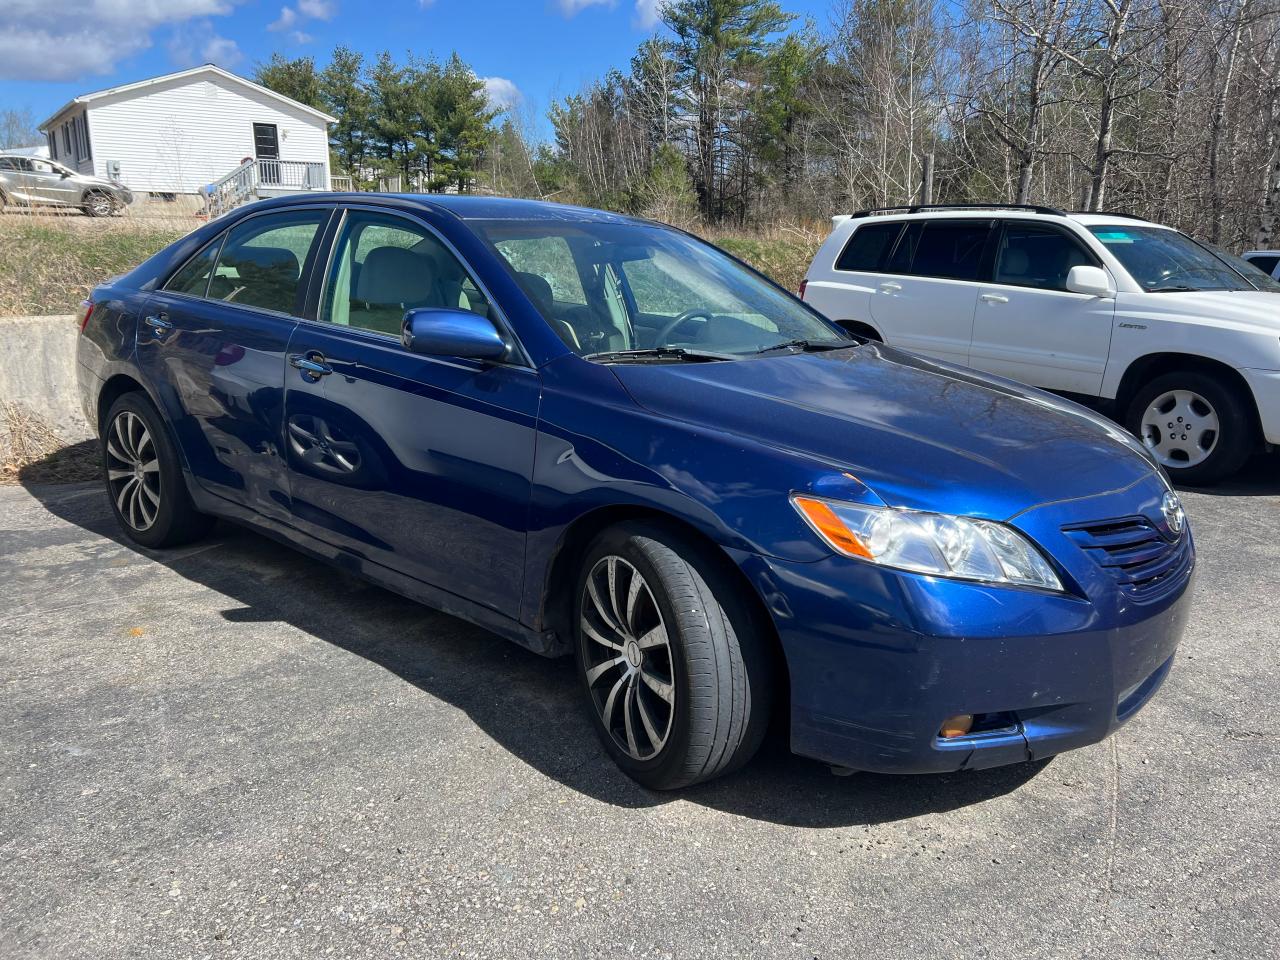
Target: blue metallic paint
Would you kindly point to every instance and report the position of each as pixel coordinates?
(473, 476)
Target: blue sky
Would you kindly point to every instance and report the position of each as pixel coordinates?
(530, 51)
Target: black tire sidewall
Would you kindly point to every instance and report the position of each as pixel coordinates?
(1236, 424)
(173, 492)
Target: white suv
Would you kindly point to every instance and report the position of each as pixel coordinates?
(1182, 339)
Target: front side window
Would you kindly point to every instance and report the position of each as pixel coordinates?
(386, 265)
(645, 286)
(1161, 260)
(949, 249)
(262, 259)
(1036, 256)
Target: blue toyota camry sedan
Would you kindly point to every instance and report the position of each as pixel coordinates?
(602, 437)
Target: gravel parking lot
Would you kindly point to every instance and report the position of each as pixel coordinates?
(233, 751)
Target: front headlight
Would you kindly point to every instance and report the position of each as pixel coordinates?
(934, 543)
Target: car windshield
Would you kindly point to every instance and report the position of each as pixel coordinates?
(611, 287)
(1165, 261)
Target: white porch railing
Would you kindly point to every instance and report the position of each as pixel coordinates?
(343, 184)
(261, 176)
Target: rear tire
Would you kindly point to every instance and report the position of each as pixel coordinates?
(675, 666)
(1200, 427)
(144, 478)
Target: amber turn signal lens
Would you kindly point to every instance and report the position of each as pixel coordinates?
(831, 527)
(956, 726)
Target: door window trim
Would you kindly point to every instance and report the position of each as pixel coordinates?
(1048, 228)
(521, 359)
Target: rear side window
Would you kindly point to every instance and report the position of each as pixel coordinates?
(193, 278)
(868, 247)
(1035, 256)
(950, 249)
(1267, 264)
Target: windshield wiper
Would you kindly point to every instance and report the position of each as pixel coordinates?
(643, 355)
(815, 345)
(1178, 288)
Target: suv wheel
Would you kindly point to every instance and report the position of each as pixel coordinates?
(1198, 427)
(144, 478)
(99, 205)
(672, 661)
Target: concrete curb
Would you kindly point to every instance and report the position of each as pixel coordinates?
(38, 370)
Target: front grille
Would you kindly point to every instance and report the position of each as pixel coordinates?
(1134, 551)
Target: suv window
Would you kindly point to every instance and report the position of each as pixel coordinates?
(386, 265)
(261, 262)
(1265, 263)
(948, 249)
(868, 247)
(14, 163)
(1031, 255)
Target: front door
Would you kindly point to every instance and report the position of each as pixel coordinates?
(1028, 326)
(212, 346)
(421, 464)
(47, 183)
(924, 300)
(266, 148)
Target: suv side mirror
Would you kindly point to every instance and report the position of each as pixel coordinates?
(1092, 281)
(65, 175)
(442, 332)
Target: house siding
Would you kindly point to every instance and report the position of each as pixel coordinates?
(177, 137)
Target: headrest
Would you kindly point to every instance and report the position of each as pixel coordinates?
(280, 261)
(539, 291)
(395, 275)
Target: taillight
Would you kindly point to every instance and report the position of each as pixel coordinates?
(804, 285)
(86, 310)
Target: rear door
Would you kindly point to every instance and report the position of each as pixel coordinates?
(1028, 326)
(420, 464)
(927, 290)
(212, 346)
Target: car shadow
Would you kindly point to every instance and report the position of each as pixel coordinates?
(1260, 477)
(529, 705)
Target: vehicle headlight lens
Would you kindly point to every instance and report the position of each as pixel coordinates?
(933, 543)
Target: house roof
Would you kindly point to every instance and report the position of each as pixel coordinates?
(208, 68)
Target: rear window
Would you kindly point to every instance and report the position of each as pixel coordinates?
(867, 248)
(950, 249)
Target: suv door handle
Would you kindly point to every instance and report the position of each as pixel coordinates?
(159, 322)
(993, 298)
(890, 287)
(312, 365)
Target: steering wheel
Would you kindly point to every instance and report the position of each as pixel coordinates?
(667, 329)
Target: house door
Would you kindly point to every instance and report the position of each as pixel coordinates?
(266, 147)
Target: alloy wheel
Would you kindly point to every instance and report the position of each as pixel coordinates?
(133, 471)
(627, 658)
(101, 205)
(1180, 428)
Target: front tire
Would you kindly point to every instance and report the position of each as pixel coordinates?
(99, 205)
(673, 662)
(1199, 427)
(144, 478)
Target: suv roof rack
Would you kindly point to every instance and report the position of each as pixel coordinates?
(1112, 213)
(918, 207)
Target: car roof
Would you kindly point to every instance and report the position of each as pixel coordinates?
(465, 207)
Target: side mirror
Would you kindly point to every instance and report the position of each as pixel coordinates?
(1092, 281)
(65, 174)
(441, 332)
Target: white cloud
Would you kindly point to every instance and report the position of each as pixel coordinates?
(44, 40)
(649, 13)
(196, 43)
(300, 37)
(288, 17)
(501, 92)
(223, 51)
(571, 8)
(317, 9)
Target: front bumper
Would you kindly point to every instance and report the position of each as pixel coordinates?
(879, 659)
(1265, 385)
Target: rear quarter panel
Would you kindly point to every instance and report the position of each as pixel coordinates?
(108, 343)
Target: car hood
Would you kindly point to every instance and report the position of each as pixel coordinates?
(1243, 309)
(920, 434)
(90, 181)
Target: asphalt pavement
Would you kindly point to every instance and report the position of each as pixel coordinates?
(230, 750)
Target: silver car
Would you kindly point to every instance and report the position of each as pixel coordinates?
(33, 181)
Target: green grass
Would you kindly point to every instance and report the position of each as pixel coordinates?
(48, 264)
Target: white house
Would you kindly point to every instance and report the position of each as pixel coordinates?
(175, 134)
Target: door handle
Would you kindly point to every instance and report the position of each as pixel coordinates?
(312, 365)
(159, 322)
(890, 287)
(993, 298)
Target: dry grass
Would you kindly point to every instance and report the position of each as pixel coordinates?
(32, 452)
(50, 262)
(782, 252)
